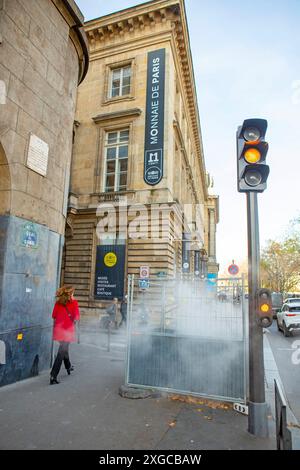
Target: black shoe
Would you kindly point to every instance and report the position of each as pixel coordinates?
(53, 381)
(70, 370)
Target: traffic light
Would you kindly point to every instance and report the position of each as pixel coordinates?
(264, 308)
(252, 149)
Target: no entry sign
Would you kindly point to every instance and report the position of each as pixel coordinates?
(144, 272)
(233, 270)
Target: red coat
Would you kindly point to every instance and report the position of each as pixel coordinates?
(64, 326)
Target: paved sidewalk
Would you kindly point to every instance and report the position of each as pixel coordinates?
(85, 411)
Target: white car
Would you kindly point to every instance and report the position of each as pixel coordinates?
(292, 300)
(288, 319)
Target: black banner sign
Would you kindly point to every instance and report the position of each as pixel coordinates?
(110, 272)
(186, 253)
(155, 115)
(197, 264)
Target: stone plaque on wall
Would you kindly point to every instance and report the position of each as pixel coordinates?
(38, 153)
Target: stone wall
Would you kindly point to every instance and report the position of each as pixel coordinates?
(43, 56)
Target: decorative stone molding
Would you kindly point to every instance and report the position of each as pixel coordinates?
(127, 25)
(114, 197)
(135, 112)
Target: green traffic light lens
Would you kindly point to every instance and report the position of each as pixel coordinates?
(266, 322)
(253, 178)
(252, 134)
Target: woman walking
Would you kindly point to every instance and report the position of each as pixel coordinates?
(65, 314)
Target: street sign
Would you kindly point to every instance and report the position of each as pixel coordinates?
(144, 284)
(144, 272)
(161, 274)
(233, 270)
(30, 237)
(243, 409)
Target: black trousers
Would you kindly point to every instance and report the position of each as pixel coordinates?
(62, 355)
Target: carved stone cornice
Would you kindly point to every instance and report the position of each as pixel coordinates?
(127, 21)
(135, 112)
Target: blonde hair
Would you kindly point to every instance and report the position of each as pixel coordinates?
(64, 294)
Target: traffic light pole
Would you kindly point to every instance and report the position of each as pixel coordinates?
(258, 409)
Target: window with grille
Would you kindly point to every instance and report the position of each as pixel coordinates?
(116, 157)
(120, 81)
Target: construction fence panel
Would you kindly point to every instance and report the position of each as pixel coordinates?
(188, 336)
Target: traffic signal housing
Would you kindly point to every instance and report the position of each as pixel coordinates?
(252, 149)
(264, 308)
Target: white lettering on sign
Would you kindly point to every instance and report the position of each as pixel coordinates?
(153, 157)
(38, 153)
(155, 95)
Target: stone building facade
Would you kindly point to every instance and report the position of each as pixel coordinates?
(43, 57)
(138, 160)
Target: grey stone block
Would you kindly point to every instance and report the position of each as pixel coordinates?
(137, 393)
(20, 94)
(29, 278)
(16, 12)
(16, 62)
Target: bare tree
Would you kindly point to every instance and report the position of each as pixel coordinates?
(280, 264)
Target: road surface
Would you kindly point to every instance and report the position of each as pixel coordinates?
(285, 355)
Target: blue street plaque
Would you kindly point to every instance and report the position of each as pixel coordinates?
(29, 237)
(144, 283)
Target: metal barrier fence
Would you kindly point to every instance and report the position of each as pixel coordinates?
(184, 337)
(287, 431)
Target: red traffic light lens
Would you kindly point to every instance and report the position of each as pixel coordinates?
(252, 134)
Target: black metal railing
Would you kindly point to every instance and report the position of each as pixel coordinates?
(287, 428)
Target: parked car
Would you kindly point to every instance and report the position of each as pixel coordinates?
(277, 303)
(292, 300)
(288, 319)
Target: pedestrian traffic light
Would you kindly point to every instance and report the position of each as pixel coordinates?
(252, 151)
(264, 308)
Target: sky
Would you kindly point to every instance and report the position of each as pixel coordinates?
(246, 65)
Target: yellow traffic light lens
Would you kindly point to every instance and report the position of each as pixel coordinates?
(252, 155)
(265, 308)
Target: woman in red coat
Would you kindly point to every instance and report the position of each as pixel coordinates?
(65, 314)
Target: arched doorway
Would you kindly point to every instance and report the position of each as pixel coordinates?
(5, 184)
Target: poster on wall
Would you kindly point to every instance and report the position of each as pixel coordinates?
(155, 115)
(110, 272)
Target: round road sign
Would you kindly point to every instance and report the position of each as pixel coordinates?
(233, 270)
